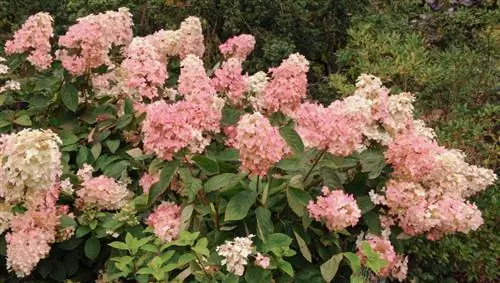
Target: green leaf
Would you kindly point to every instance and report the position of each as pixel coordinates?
(69, 96)
(373, 259)
(82, 231)
(297, 200)
(354, 261)
(285, 266)
(230, 116)
(124, 121)
(113, 145)
(71, 244)
(222, 180)
(264, 223)
(118, 245)
(92, 248)
(166, 175)
(330, 177)
(66, 221)
(254, 274)
(23, 121)
(239, 204)
(44, 267)
(96, 150)
(373, 222)
(365, 204)
(303, 247)
(357, 278)
(278, 244)
(372, 162)
(330, 267)
(292, 139)
(229, 154)
(208, 165)
(201, 247)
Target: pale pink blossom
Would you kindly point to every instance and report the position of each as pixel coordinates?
(238, 46)
(262, 261)
(148, 180)
(259, 143)
(236, 254)
(190, 38)
(102, 193)
(336, 209)
(166, 221)
(229, 80)
(34, 37)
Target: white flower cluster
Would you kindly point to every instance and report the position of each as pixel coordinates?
(235, 254)
(30, 161)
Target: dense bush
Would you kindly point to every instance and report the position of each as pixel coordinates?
(132, 172)
(449, 58)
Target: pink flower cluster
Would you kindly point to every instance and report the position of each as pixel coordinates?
(33, 232)
(148, 180)
(336, 209)
(166, 221)
(331, 128)
(191, 38)
(34, 37)
(288, 85)
(396, 266)
(168, 128)
(144, 69)
(259, 143)
(238, 46)
(102, 193)
(87, 43)
(229, 80)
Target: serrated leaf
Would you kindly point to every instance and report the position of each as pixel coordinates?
(239, 204)
(69, 96)
(66, 221)
(373, 222)
(365, 204)
(292, 139)
(372, 162)
(303, 247)
(285, 266)
(330, 267)
(222, 180)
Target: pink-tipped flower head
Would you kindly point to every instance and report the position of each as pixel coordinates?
(166, 221)
(238, 46)
(259, 143)
(336, 209)
(191, 38)
(34, 37)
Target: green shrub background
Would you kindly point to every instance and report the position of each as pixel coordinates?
(449, 59)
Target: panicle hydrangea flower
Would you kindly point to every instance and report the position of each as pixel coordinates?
(33, 231)
(400, 108)
(238, 46)
(166, 221)
(412, 156)
(193, 79)
(229, 80)
(144, 69)
(4, 69)
(383, 247)
(10, 85)
(110, 83)
(5, 217)
(166, 129)
(259, 143)
(94, 36)
(236, 254)
(336, 209)
(335, 129)
(288, 85)
(256, 83)
(165, 42)
(34, 37)
(399, 269)
(102, 193)
(148, 180)
(190, 38)
(262, 261)
(30, 161)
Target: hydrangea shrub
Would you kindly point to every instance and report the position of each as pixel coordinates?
(126, 158)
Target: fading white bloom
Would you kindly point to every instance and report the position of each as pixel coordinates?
(236, 254)
(4, 69)
(30, 161)
(423, 131)
(10, 85)
(85, 173)
(67, 187)
(376, 198)
(257, 82)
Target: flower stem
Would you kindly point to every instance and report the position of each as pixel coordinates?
(320, 155)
